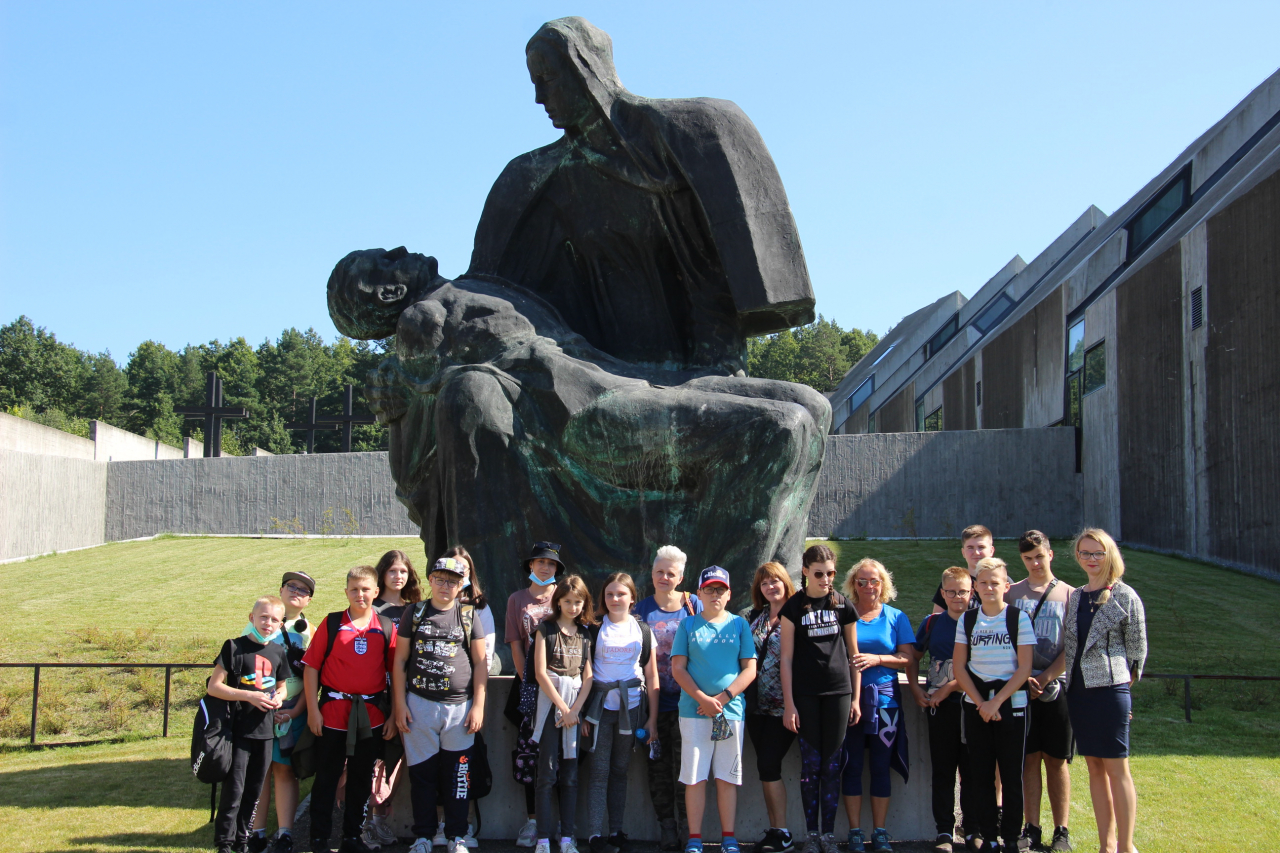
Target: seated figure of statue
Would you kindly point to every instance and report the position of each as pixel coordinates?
(584, 381)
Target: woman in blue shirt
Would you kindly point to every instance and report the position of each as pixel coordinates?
(885, 640)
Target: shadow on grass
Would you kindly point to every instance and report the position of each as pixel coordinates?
(162, 783)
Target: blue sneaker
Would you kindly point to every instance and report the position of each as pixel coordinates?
(857, 844)
(729, 844)
(880, 841)
(693, 845)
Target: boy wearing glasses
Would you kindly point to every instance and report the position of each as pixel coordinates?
(1049, 738)
(942, 698)
(713, 659)
(296, 589)
(438, 681)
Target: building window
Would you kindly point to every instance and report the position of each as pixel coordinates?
(1157, 214)
(1075, 347)
(1197, 307)
(933, 421)
(871, 422)
(861, 393)
(882, 355)
(944, 335)
(994, 313)
(1095, 368)
(977, 393)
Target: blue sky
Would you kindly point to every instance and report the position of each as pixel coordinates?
(184, 172)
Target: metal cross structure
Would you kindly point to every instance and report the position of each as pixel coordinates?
(311, 425)
(348, 417)
(213, 413)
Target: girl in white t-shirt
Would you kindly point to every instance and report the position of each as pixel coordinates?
(991, 667)
(614, 714)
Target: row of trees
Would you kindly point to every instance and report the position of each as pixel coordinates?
(54, 383)
(57, 384)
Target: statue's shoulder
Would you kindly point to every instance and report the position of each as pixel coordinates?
(509, 197)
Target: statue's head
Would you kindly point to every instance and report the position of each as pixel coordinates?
(571, 64)
(370, 288)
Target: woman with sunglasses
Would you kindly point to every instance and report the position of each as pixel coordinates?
(820, 688)
(885, 645)
(1105, 648)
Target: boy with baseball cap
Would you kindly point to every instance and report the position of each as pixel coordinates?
(438, 681)
(713, 661)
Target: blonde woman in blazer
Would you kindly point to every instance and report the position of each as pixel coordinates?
(1106, 645)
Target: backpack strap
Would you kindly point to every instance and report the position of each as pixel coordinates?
(1011, 615)
(1040, 603)
(646, 642)
(688, 603)
(332, 624)
(928, 631)
(468, 614)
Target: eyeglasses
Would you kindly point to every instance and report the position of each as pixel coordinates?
(1091, 555)
(446, 583)
(715, 589)
(956, 593)
(298, 590)
(868, 581)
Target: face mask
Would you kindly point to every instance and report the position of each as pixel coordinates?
(251, 631)
(466, 582)
(539, 582)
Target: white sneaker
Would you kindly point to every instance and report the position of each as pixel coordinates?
(439, 840)
(528, 834)
(469, 839)
(543, 847)
(568, 845)
(457, 846)
(370, 837)
(420, 845)
(382, 833)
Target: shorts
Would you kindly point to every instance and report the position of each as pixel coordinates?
(701, 757)
(1049, 728)
(436, 726)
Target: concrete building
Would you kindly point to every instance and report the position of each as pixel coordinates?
(1147, 331)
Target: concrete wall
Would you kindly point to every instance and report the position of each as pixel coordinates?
(933, 484)
(248, 494)
(50, 503)
(24, 436)
(118, 445)
(910, 816)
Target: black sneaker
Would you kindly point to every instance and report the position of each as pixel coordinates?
(775, 841)
(354, 844)
(257, 843)
(943, 843)
(1061, 839)
(617, 843)
(597, 844)
(283, 843)
(1030, 837)
(320, 845)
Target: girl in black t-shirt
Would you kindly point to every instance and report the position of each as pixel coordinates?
(820, 689)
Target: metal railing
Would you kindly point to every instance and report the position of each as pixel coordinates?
(35, 682)
(1187, 679)
(170, 667)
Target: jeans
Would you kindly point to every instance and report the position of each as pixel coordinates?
(332, 747)
(608, 775)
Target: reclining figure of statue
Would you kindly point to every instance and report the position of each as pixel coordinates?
(583, 382)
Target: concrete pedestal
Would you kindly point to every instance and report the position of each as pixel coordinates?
(503, 811)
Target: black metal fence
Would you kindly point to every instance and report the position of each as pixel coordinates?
(170, 667)
(35, 682)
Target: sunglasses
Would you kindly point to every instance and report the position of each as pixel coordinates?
(868, 581)
(546, 546)
(298, 590)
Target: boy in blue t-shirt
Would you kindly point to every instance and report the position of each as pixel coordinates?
(664, 611)
(713, 659)
(942, 696)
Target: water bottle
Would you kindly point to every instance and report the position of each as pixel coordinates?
(655, 750)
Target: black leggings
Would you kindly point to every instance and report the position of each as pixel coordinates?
(823, 721)
(771, 740)
(331, 758)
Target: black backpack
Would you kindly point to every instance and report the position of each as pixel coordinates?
(211, 739)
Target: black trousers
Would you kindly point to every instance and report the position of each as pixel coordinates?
(250, 760)
(1000, 742)
(948, 754)
(443, 778)
(332, 755)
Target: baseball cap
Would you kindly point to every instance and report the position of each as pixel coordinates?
(713, 574)
(450, 565)
(302, 578)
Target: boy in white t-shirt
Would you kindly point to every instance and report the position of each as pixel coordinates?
(992, 661)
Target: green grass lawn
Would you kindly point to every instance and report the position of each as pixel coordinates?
(176, 599)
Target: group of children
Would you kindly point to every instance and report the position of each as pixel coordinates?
(681, 677)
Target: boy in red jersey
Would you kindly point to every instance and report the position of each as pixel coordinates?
(346, 688)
